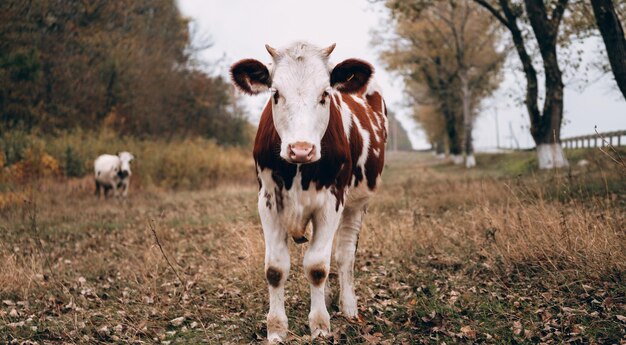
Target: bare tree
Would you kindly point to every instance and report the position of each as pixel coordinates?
(446, 51)
(546, 123)
(613, 35)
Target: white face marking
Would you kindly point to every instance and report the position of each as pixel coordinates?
(125, 159)
(301, 97)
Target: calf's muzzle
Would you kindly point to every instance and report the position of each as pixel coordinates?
(301, 152)
(123, 174)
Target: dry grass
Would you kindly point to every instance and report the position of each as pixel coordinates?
(505, 222)
(443, 256)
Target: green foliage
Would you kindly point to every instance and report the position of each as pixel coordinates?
(512, 163)
(22, 65)
(14, 144)
(73, 166)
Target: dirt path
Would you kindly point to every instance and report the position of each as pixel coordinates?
(430, 269)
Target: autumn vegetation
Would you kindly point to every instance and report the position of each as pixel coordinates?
(79, 79)
(450, 54)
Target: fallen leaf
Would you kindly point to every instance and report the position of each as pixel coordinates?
(573, 311)
(103, 330)
(177, 321)
(468, 332)
(576, 330)
(371, 339)
(118, 329)
(517, 327)
(16, 324)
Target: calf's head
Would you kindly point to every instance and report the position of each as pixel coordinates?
(301, 83)
(125, 159)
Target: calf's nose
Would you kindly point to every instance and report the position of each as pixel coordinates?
(301, 152)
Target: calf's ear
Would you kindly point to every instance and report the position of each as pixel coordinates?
(351, 75)
(250, 76)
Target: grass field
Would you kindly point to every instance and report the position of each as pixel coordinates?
(502, 255)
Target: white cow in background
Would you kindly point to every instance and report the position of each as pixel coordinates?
(113, 172)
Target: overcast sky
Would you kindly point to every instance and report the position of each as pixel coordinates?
(240, 28)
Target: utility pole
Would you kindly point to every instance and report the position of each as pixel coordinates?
(513, 137)
(497, 129)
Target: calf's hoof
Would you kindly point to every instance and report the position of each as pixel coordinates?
(319, 323)
(348, 307)
(276, 328)
(275, 338)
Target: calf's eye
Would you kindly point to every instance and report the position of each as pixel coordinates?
(323, 98)
(276, 96)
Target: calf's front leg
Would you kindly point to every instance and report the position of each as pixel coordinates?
(277, 266)
(317, 266)
(125, 186)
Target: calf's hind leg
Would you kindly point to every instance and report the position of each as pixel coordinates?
(345, 249)
(107, 189)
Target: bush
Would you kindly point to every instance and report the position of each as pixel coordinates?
(179, 164)
(74, 165)
(15, 143)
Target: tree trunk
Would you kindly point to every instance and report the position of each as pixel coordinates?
(546, 130)
(468, 147)
(545, 125)
(454, 139)
(440, 147)
(470, 160)
(614, 40)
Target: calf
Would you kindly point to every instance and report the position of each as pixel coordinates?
(113, 172)
(319, 153)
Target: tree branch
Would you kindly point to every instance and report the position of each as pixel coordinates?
(494, 12)
(557, 15)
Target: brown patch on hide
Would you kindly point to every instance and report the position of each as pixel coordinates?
(317, 274)
(266, 151)
(368, 119)
(278, 192)
(268, 200)
(273, 276)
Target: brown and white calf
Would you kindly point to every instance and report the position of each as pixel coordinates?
(319, 153)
